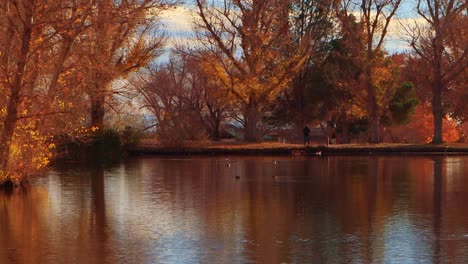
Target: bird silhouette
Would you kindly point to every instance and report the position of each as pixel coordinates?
(228, 162)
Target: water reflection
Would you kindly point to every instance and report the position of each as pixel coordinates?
(195, 210)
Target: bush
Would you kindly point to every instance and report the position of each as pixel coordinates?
(130, 137)
(101, 145)
(176, 133)
(30, 153)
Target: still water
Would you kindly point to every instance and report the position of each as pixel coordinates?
(242, 210)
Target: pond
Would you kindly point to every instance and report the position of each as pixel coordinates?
(355, 209)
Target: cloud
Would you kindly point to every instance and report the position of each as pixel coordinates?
(398, 34)
(178, 23)
(178, 20)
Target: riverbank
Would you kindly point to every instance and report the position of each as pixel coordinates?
(283, 149)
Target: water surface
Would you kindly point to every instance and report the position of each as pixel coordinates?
(242, 210)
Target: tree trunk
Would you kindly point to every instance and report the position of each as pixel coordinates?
(373, 110)
(381, 132)
(9, 124)
(437, 108)
(298, 103)
(59, 67)
(344, 132)
(437, 111)
(97, 110)
(100, 75)
(14, 100)
(215, 133)
(212, 122)
(251, 120)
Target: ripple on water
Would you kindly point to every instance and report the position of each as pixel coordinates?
(328, 210)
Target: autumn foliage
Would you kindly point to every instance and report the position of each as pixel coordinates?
(56, 71)
(249, 66)
(419, 129)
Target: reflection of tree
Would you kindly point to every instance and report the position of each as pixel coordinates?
(20, 225)
(438, 181)
(97, 191)
(374, 206)
(330, 209)
(98, 227)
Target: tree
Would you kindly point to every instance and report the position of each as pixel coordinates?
(184, 100)
(338, 93)
(253, 53)
(375, 18)
(310, 21)
(33, 90)
(403, 104)
(123, 37)
(217, 104)
(463, 128)
(160, 95)
(442, 43)
(46, 64)
(17, 59)
(418, 130)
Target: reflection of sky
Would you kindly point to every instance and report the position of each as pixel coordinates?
(158, 223)
(144, 214)
(402, 241)
(193, 210)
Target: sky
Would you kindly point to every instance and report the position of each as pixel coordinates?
(178, 24)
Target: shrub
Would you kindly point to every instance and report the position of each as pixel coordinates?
(176, 133)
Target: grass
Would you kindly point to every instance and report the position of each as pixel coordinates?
(149, 146)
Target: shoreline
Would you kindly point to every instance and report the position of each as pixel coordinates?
(280, 149)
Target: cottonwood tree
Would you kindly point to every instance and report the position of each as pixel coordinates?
(17, 31)
(311, 21)
(46, 70)
(419, 129)
(442, 43)
(375, 17)
(184, 101)
(455, 102)
(35, 67)
(217, 105)
(343, 100)
(123, 36)
(254, 55)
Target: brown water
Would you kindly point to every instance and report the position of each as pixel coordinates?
(195, 210)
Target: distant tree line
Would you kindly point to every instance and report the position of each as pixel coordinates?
(268, 63)
(70, 68)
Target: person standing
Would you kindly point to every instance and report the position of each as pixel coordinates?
(306, 132)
